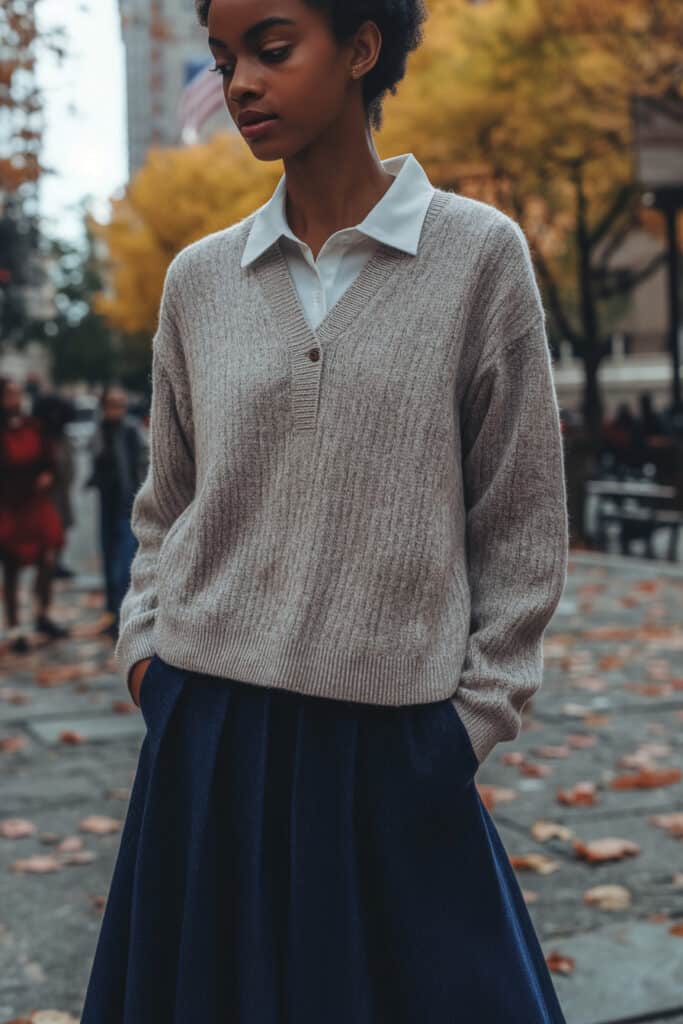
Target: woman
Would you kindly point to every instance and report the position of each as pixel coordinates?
(54, 412)
(31, 530)
(352, 535)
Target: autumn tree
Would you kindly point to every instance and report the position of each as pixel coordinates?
(521, 103)
(526, 104)
(177, 196)
(20, 104)
(21, 130)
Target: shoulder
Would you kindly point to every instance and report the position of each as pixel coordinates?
(222, 248)
(490, 230)
(490, 249)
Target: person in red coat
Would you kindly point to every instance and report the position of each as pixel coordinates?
(31, 529)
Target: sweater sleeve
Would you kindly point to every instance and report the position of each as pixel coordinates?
(516, 532)
(167, 488)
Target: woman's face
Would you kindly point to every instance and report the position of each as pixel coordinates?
(279, 57)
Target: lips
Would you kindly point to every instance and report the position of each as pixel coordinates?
(257, 129)
(253, 117)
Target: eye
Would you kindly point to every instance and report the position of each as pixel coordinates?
(277, 53)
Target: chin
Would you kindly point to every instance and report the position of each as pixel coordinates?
(273, 149)
(267, 154)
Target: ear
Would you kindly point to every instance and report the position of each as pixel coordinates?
(366, 49)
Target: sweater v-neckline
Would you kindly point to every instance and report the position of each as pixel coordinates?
(274, 277)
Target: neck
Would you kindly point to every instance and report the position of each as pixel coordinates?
(332, 187)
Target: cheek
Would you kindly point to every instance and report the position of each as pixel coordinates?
(312, 86)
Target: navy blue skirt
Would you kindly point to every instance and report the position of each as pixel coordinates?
(291, 859)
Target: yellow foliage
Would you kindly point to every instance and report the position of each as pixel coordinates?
(516, 102)
(178, 196)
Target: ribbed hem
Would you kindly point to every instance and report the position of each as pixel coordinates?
(319, 671)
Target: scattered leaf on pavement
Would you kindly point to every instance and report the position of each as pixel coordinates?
(100, 824)
(608, 897)
(609, 848)
(539, 862)
(582, 794)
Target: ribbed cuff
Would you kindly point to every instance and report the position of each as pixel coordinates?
(132, 647)
(482, 737)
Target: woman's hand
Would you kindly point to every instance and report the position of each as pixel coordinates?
(136, 673)
(44, 480)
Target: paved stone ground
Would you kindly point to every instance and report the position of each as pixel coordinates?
(619, 624)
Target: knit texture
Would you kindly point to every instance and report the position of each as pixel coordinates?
(374, 510)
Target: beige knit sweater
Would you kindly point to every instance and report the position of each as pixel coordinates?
(373, 511)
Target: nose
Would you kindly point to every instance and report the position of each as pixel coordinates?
(243, 83)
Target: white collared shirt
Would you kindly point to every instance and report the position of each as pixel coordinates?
(396, 219)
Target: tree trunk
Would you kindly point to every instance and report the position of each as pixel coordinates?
(592, 406)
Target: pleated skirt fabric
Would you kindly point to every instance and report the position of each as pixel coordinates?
(291, 859)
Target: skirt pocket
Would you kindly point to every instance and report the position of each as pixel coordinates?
(160, 688)
(142, 691)
(464, 735)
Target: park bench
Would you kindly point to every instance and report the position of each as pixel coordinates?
(636, 506)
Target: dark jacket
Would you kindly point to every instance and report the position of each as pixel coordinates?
(120, 457)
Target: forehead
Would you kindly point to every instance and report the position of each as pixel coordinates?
(235, 17)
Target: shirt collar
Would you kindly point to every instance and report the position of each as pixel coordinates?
(396, 219)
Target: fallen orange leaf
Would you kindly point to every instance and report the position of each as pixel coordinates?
(99, 823)
(71, 736)
(560, 964)
(543, 830)
(553, 751)
(10, 744)
(609, 848)
(582, 794)
(539, 862)
(535, 771)
(647, 778)
(16, 828)
(608, 897)
(39, 863)
(672, 823)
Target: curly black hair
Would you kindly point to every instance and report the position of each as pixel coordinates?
(400, 24)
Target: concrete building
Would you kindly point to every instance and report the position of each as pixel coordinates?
(161, 38)
(641, 358)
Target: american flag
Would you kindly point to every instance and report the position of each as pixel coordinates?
(202, 95)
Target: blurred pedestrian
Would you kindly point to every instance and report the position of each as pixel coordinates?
(34, 389)
(54, 412)
(651, 422)
(31, 529)
(119, 462)
(619, 433)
